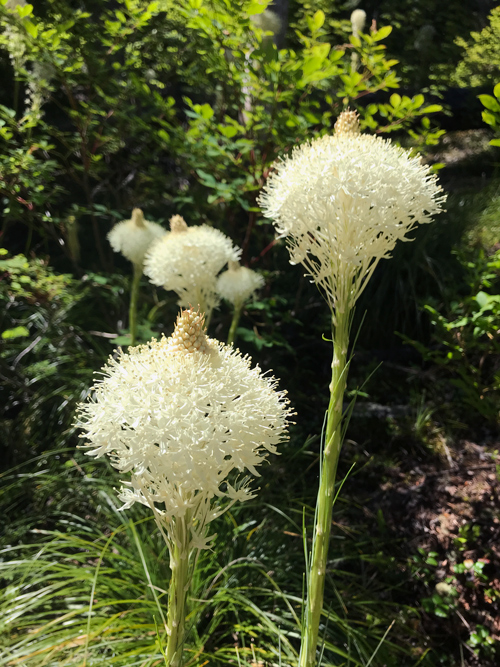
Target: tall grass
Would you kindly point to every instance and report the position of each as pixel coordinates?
(86, 585)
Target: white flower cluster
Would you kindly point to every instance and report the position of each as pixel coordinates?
(188, 261)
(182, 415)
(238, 283)
(343, 201)
(133, 237)
(16, 40)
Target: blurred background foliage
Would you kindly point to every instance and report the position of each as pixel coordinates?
(182, 107)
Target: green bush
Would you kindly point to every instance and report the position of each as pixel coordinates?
(464, 349)
(180, 107)
(47, 351)
(480, 65)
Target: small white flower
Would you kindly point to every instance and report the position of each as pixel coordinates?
(343, 202)
(358, 20)
(188, 260)
(133, 237)
(183, 416)
(16, 37)
(238, 283)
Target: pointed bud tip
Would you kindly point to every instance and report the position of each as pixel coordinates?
(178, 224)
(138, 217)
(189, 333)
(347, 123)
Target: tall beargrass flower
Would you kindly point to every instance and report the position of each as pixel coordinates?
(342, 202)
(133, 238)
(236, 285)
(358, 20)
(188, 262)
(188, 421)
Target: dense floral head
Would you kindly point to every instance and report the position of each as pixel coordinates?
(343, 202)
(133, 237)
(358, 20)
(184, 416)
(188, 260)
(238, 283)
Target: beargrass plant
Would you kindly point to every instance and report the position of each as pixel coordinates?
(184, 416)
(188, 261)
(133, 238)
(236, 285)
(343, 202)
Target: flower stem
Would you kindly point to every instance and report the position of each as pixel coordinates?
(324, 504)
(134, 294)
(179, 583)
(231, 338)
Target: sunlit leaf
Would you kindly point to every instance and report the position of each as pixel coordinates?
(16, 332)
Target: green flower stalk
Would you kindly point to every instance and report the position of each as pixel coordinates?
(358, 19)
(134, 298)
(342, 202)
(132, 238)
(187, 421)
(236, 285)
(181, 575)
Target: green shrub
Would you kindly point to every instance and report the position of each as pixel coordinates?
(464, 349)
(47, 353)
(480, 65)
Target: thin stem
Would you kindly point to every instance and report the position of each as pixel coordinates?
(134, 296)
(179, 582)
(16, 95)
(231, 337)
(324, 504)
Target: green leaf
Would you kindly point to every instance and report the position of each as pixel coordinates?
(395, 100)
(496, 90)
(312, 64)
(382, 33)
(206, 111)
(432, 108)
(316, 22)
(321, 50)
(207, 179)
(489, 102)
(24, 11)
(441, 612)
(418, 100)
(122, 340)
(488, 118)
(228, 131)
(31, 29)
(336, 54)
(495, 142)
(256, 7)
(16, 332)
(164, 136)
(482, 299)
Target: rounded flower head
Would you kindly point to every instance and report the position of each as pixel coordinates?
(188, 260)
(358, 20)
(183, 415)
(343, 201)
(133, 237)
(238, 283)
